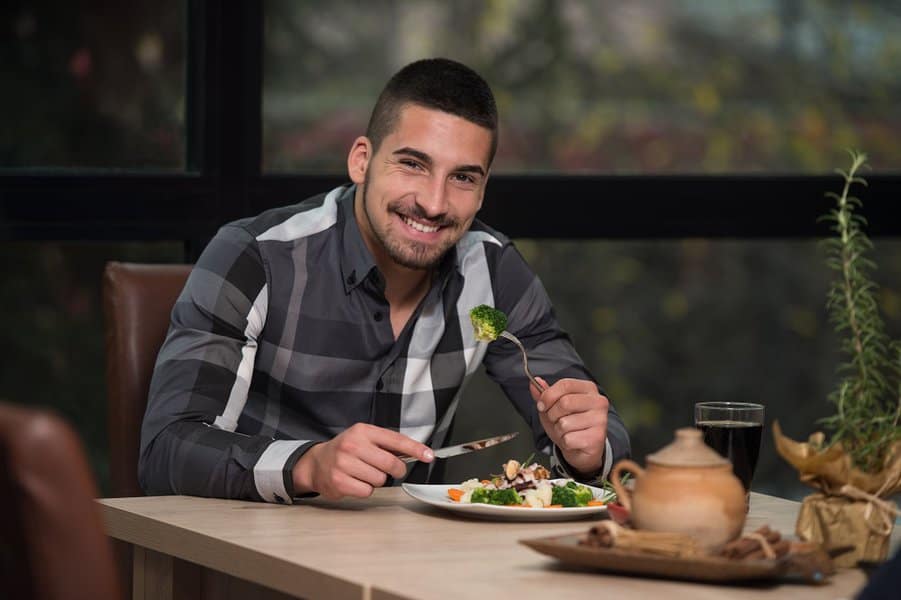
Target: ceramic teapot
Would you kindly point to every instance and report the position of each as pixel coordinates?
(687, 487)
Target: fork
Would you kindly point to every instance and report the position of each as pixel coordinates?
(525, 359)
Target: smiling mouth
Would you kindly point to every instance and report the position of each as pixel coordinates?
(421, 227)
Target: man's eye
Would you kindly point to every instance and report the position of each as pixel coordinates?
(465, 178)
(410, 163)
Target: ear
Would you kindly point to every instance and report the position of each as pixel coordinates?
(358, 159)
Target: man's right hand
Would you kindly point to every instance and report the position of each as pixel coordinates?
(356, 461)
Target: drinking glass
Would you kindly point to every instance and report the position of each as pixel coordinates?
(733, 429)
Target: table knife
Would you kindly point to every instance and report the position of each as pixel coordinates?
(472, 446)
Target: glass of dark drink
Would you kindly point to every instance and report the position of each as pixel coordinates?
(733, 429)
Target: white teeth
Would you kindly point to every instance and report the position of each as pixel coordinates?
(419, 226)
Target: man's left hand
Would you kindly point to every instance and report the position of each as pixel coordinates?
(574, 415)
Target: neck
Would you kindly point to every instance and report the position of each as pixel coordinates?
(404, 290)
(403, 285)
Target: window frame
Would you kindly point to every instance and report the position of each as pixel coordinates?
(223, 180)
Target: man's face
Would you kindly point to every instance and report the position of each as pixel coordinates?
(422, 188)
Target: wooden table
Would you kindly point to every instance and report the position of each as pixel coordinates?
(387, 547)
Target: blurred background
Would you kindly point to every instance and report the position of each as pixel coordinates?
(118, 141)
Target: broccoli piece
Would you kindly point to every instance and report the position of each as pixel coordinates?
(504, 497)
(571, 494)
(488, 322)
(563, 495)
(583, 494)
(479, 496)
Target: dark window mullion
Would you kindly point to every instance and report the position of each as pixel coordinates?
(200, 155)
(680, 206)
(633, 207)
(238, 94)
(225, 87)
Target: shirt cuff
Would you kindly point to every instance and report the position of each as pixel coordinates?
(272, 475)
(563, 468)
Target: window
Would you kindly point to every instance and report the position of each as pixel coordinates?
(93, 85)
(53, 340)
(642, 87)
(659, 130)
(665, 324)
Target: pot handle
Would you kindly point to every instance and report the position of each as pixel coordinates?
(623, 495)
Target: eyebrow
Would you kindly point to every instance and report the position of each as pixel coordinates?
(428, 160)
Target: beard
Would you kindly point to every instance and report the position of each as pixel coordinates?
(409, 253)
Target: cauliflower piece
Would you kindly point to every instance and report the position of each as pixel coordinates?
(532, 499)
(544, 492)
(470, 484)
(539, 497)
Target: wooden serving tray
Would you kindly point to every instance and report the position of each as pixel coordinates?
(699, 568)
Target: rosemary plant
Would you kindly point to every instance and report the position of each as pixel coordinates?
(868, 396)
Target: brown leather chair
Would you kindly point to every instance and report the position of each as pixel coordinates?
(52, 543)
(137, 303)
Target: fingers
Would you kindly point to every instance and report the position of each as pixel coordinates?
(563, 388)
(584, 440)
(398, 443)
(338, 485)
(574, 415)
(577, 422)
(569, 396)
(572, 404)
(537, 393)
(360, 459)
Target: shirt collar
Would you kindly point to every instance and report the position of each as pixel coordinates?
(356, 259)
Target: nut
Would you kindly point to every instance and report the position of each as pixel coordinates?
(511, 468)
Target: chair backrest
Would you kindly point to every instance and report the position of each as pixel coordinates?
(52, 543)
(137, 303)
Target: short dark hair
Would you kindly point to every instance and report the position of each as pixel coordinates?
(436, 83)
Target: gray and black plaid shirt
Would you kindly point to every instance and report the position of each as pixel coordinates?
(282, 338)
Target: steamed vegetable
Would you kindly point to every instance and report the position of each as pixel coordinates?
(505, 497)
(488, 322)
(571, 494)
(525, 485)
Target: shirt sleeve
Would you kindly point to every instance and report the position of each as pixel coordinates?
(518, 292)
(190, 440)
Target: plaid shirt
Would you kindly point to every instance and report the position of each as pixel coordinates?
(281, 338)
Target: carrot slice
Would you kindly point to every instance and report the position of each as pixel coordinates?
(554, 506)
(455, 494)
(596, 503)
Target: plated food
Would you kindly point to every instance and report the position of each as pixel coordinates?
(526, 486)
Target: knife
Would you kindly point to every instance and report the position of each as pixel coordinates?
(449, 451)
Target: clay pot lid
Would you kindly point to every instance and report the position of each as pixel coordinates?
(687, 450)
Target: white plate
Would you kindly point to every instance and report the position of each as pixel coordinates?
(436, 495)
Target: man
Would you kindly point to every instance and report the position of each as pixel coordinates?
(315, 343)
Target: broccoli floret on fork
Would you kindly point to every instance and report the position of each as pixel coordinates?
(488, 322)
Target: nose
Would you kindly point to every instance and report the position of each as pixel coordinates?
(433, 200)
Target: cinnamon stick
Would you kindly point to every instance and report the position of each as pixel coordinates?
(751, 548)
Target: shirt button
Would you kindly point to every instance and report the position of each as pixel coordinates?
(379, 385)
(378, 315)
(352, 278)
